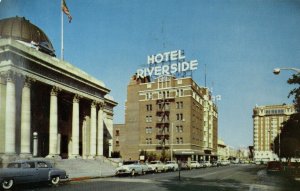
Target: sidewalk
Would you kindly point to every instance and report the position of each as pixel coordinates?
(83, 169)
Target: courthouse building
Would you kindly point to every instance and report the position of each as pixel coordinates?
(49, 108)
(170, 115)
(267, 124)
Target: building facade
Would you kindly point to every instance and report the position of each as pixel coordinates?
(223, 151)
(267, 124)
(49, 108)
(169, 116)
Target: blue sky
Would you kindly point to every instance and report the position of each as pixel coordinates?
(239, 41)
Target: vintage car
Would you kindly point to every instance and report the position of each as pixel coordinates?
(195, 164)
(172, 165)
(28, 171)
(157, 166)
(274, 166)
(132, 168)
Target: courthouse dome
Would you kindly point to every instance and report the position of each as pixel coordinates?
(19, 28)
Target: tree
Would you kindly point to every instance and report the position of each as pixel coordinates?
(149, 156)
(296, 92)
(290, 133)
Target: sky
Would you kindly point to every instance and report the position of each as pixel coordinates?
(239, 41)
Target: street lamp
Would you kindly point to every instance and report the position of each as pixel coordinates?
(276, 71)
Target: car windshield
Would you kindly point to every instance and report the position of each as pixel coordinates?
(14, 165)
(129, 162)
(153, 162)
(170, 162)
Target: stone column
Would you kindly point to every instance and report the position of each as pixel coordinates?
(75, 128)
(53, 128)
(100, 131)
(25, 119)
(93, 131)
(10, 116)
(108, 121)
(35, 144)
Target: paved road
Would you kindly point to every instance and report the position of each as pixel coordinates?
(235, 177)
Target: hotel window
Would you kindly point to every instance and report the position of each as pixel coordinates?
(117, 133)
(148, 95)
(179, 140)
(179, 105)
(179, 116)
(167, 106)
(149, 119)
(117, 143)
(148, 130)
(148, 141)
(160, 94)
(168, 94)
(179, 128)
(181, 92)
(166, 129)
(167, 142)
(149, 107)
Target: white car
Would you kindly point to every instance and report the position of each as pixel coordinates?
(195, 164)
(130, 168)
(225, 162)
(172, 166)
(157, 166)
(207, 164)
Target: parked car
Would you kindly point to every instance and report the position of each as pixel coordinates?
(225, 162)
(172, 165)
(29, 171)
(195, 164)
(207, 164)
(274, 166)
(157, 166)
(146, 168)
(183, 165)
(131, 168)
(215, 163)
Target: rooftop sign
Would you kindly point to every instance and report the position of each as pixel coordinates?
(167, 63)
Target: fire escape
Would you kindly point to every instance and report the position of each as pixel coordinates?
(163, 121)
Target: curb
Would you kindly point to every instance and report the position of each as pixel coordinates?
(82, 178)
(88, 178)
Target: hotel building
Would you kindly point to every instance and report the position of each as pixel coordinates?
(171, 115)
(267, 123)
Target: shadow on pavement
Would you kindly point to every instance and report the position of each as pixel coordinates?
(191, 184)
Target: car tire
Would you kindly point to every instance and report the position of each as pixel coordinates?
(55, 180)
(7, 184)
(156, 170)
(133, 172)
(143, 172)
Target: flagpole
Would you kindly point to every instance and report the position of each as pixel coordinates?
(62, 33)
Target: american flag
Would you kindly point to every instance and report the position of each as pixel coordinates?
(66, 10)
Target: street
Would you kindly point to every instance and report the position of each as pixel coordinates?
(234, 177)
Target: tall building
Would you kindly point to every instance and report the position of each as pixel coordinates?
(168, 115)
(49, 108)
(267, 123)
